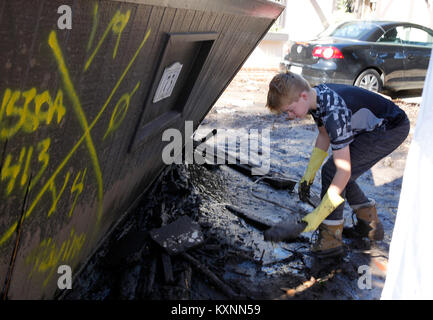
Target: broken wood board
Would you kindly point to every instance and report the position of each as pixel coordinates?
(314, 200)
(167, 267)
(227, 290)
(178, 236)
(274, 179)
(259, 222)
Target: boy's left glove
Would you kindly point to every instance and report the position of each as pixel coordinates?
(330, 202)
(292, 229)
(316, 160)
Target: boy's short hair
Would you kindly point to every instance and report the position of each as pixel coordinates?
(285, 88)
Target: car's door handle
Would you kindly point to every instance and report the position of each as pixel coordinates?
(410, 56)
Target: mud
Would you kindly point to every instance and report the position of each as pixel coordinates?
(132, 266)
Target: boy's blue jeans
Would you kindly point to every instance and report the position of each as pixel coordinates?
(365, 151)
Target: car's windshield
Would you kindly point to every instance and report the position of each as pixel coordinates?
(352, 30)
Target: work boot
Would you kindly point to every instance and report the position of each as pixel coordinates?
(368, 223)
(329, 242)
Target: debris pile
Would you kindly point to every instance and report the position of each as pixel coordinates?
(183, 243)
(224, 214)
(162, 251)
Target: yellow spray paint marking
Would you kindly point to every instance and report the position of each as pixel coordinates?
(120, 80)
(53, 107)
(28, 120)
(25, 174)
(12, 110)
(44, 158)
(47, 257)
(76, 104)
(94, 26)
(53, 42)
(56, 196)
(77, 187)
(116, 25)
(11, 172)
(120, 111)
(5, 101)
(120, 22)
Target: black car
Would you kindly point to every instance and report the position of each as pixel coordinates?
(374, 55)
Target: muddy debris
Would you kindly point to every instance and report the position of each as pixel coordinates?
(178, 236)
(235, 260)
(147, 258)
(228, 258)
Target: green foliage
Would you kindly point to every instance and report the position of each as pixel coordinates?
(346, 5)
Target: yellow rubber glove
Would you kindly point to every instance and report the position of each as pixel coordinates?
(329, 203)
(316, 160)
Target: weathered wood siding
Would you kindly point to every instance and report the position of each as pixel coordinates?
(75, 118)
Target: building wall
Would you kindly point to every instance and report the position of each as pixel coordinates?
(301, 20)
(80, 130)
(416, 11)
(306, 18)
(269, 52)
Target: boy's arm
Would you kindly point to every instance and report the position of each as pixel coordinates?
(341, 160)
(343, 165)
(322, 140)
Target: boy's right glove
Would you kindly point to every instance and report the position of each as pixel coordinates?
(316, 160)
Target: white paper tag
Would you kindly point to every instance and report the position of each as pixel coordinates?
(167, 82)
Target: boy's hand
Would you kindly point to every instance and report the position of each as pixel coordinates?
(316, 159)
(304, 190)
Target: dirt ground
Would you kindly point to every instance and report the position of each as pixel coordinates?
(131, 266)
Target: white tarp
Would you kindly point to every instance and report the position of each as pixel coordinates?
(410, 265)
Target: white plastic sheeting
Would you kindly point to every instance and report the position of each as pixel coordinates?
(410, 265)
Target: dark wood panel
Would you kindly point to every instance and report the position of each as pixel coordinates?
(211, 64)
(219, 72)
(254, 41)
(149, 52)
(18, 38)
(141, 24)
(256, 8)
(98, 75)
(165, 27)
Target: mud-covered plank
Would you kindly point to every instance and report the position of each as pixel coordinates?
(178, 236)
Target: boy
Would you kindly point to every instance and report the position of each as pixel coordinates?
(362, 128)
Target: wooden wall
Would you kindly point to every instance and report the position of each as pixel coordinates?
(74, 104)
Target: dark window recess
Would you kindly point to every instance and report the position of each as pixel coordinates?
(170, 90)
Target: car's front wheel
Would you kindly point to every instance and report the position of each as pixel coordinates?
(370, 80)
